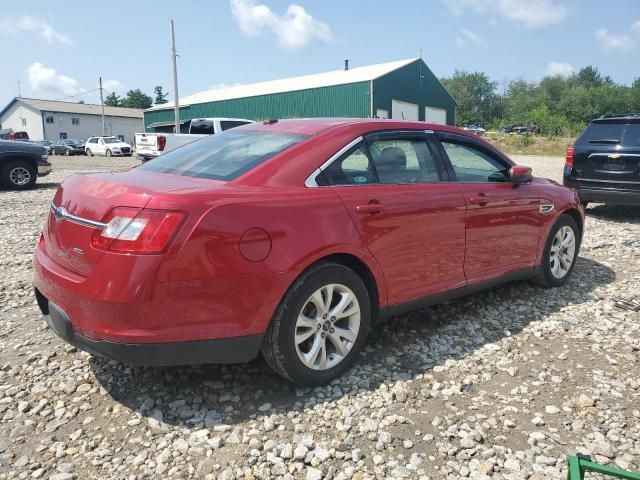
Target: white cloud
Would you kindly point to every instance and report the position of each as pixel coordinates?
(560, 68)
(27, 23)
(469, 37)
(532, 14)
(46, 79)
(218, 86)
(611, 41)
(113, 86)
(636, 26)
(295, 29)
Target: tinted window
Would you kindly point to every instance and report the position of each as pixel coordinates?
(225, 156)
(202, 127)
(403, 161)
(473, 165)
(626, 134)
(227, 124)
(353, 168)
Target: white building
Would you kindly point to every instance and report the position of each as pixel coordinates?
(53, 120)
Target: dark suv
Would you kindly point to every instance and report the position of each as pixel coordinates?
(604, 163)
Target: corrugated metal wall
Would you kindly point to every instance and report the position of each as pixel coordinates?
(414, 83)
(351, 100)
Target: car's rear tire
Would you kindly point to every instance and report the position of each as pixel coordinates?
(320, 325)
(89, 152)
(108, 153)
(560, 253)
(18, 175)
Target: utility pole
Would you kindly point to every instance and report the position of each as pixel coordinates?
(176, 105)
(102, 103)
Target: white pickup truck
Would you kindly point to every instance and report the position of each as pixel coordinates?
(152, 145)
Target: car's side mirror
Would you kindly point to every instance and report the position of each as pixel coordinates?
(520, 174)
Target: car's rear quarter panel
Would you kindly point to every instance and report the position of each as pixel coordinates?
(207, 267)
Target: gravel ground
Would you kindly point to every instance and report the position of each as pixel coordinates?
(502, 384)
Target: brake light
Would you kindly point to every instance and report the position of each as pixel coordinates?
(162, 142)
(140, 231)
(568, 158)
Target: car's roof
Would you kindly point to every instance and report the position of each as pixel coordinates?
(313, 126)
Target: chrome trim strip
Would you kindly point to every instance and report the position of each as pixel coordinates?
(580, 179)
(73, 218)
(310, 182)
(609, 154)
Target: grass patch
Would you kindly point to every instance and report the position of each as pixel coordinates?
(530, 144)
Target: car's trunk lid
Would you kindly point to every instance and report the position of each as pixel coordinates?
(83, 201)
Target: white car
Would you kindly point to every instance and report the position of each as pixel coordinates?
(108, 146)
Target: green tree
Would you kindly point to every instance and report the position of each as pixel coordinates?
(113, 100)
(137, 99)
(160, 96)
(476, 96)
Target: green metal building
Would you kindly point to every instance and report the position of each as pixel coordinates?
(405, 89)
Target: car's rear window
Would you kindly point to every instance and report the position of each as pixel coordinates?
(616, 133)
(225, 156)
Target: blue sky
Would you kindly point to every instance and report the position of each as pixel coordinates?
(58, 49)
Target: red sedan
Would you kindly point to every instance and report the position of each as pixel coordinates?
(292, 238)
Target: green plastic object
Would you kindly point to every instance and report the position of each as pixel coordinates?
(581, 468)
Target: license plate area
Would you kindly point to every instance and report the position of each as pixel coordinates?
(614, 164)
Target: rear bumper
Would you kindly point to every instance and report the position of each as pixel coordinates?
(610, 192)
(227, 350)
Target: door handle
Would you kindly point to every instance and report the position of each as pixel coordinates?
(371, 208)
(480, 199)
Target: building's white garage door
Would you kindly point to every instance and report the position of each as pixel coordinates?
(404, 110)
(435, 115)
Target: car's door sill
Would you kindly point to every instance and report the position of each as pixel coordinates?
(405, 307)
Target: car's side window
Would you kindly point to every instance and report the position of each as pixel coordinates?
(472, 165)
(352, 168)
(403, 161)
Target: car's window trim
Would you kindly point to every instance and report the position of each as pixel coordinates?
(423, 135)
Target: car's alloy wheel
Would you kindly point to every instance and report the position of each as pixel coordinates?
(108, 153)
(67, 152)
(320, 325)
(327, 327)
(89, 152)
(563, 250)
(560, 252)
(19, 176)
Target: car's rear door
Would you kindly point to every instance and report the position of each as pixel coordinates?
(411, 221)
(503, 220)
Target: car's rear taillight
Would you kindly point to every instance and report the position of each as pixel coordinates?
(140, 231)
(162, 142)
(568, 158)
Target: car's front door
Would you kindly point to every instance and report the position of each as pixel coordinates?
(503, 220)
(411, 222)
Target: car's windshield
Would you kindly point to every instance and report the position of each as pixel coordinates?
(224, 156)
(625, 134)
(111, 140)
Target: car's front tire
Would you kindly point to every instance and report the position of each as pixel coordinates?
(18, 175)
(560, 252)
(89, 152)
(108, 153)
(320, 325)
